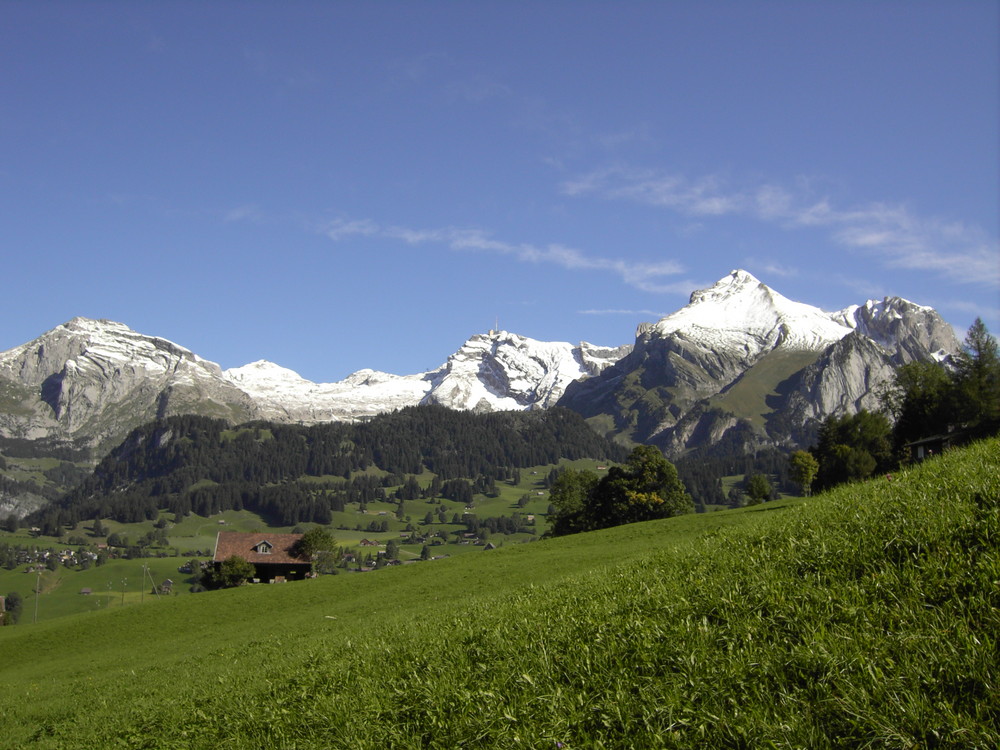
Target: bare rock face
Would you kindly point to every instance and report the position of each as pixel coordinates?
(908, 331)
(89, 382)
(742, 363)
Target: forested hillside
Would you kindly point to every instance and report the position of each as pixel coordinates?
(202, 465)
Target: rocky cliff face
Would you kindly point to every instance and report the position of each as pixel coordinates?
(908, 331)
(89, 382)
(741, 362)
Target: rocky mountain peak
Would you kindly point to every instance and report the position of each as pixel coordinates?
(740, 358)
(89, 380)
(744, 317)
(502, 370)
(737, 282)
(908, 330)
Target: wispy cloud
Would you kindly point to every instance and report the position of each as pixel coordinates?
(985, 312)
(648, 277)
(242, 213)
(646, 313)
(891, 232)
(770, 267)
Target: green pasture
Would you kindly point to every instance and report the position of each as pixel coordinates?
(195, 536)
(747, 397)
(865, 617)
(115, 584)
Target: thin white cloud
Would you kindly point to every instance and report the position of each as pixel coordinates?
(646, 313)
(893, 233)
(339, 229)
(861, 288)
(648, 277)
(971, 308)
(242, 213)
(770, 268)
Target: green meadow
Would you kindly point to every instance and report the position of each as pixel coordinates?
(194, 536)
(865, 617)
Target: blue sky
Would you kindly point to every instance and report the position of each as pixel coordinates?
(341, 185)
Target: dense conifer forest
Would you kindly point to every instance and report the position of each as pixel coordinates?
(197, 464)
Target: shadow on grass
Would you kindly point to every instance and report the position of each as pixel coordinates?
(763, 507)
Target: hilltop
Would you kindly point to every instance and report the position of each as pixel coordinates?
(862, 617)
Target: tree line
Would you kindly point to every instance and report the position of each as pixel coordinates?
(192, 464)
(958, 398)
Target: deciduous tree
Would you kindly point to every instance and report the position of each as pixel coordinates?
(852, 447)
(804, 468)
(758, 489)
(235, 571)
(645, 488)
(314, 541)
(13, 603)
(569, 496)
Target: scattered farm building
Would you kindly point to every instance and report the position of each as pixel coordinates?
(273, 556)
(934, 445)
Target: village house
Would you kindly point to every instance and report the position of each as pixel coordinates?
(934, 445)
(273, 556)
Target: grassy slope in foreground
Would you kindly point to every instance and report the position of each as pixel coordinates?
(865, 617)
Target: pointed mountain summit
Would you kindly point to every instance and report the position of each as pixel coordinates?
(88, 382)
(743, 366)
(504, 371)
(744, 316)
(738, 362)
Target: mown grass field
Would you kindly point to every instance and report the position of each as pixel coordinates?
(866, 617)
(195, 536)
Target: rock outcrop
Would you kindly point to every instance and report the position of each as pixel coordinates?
(742, 363)
(89, 382)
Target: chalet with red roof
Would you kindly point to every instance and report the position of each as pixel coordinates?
(274, 556)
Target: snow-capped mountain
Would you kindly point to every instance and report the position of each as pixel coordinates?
(90, 382)
(504, 371)
(742, 316)
(742, 363)
(282, 395)
(497, 371)
(912, 331)
(738, 354)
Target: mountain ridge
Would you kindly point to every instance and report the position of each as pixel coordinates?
(794, 363)
(738, 351)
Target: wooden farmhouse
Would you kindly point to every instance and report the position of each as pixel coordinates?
(272, 555)
(934, 445)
